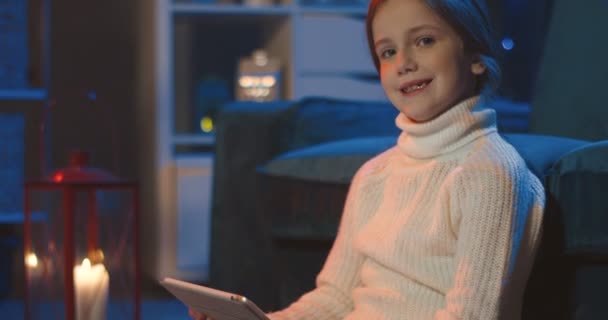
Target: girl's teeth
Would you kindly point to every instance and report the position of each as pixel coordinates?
(415, 87)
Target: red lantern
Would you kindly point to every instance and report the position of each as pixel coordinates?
(81, 253)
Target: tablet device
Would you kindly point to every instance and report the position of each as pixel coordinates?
(217, 304)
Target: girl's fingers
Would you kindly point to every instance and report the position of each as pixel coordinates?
(195, 315)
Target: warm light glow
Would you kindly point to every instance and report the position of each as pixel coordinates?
(58, 177)
(257, 82)
(246, 81)
(260, 58)
(31, 260)
(268, 81)
(258, 92)
(207, 124)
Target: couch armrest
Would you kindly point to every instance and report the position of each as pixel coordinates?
(248, 134)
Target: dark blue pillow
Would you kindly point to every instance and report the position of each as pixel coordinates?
(511, 116)
(332, 162)
(540, 151)
(319, 120)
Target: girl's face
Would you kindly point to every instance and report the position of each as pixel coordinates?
(424, 68)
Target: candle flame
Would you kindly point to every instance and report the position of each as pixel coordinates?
(31, 260)
(96, 256)
(86, 263)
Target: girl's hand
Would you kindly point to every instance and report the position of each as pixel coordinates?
(197, 316)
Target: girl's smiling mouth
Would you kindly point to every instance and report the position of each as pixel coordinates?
(414, 87)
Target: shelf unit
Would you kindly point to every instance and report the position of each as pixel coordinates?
(26, 47)
(24, 83)
(23, 94)
(189, 46)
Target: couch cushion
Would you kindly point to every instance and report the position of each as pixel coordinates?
(579, 182)
(337, 161)
(332, 162)
(319, 120)
(511, 116)
(540, 151)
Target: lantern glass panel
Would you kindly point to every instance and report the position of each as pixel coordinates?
(67, 225)
(44, 259)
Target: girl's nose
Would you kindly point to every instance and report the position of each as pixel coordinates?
(406, 64)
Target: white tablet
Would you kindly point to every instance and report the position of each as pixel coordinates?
(217, 304)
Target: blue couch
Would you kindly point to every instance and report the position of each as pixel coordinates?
(283, 169)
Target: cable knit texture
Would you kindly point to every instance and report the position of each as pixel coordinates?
(442, 226)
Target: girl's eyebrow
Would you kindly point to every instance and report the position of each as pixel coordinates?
(422, 27)
(381, 41)
(410, 31)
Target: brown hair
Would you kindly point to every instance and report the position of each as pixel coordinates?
(469, 18)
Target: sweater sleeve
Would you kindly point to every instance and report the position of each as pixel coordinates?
(497, 224)
(331, 299)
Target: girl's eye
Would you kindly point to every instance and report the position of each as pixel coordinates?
(385, 54)
(426, 41)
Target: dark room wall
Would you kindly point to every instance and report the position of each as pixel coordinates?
(92, 49)
(570, 98)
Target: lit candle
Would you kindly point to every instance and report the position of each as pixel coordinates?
(91, 291)
(33, 265)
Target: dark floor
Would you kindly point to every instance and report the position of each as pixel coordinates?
(151, 309)
(157, 304)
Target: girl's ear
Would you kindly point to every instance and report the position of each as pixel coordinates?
(477, 66)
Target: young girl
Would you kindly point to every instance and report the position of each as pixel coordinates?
(445, 224)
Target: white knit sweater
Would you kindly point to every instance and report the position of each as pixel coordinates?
(444, 225)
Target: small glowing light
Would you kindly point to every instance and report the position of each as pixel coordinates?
(508, 44)
(207, 124)
(245, 82)
(260, 58)
(92, 95)
(268, 81)
(31, 260)
(58, 177)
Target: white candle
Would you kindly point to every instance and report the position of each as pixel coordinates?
(91, 291)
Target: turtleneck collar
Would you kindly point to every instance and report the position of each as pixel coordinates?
(451, 130)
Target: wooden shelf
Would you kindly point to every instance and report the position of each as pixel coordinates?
(23, 94)
(231, 9)
(194, 139)
(356, 10)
